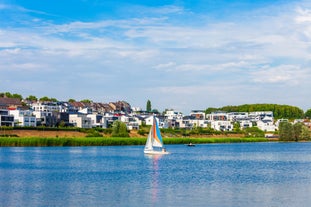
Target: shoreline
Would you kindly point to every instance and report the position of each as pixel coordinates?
(112, 141)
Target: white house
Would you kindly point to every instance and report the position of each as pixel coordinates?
(23, 118)
(245, 124)
(260, 115)
(218, 116)
(46, 107)
(5, 118)
(96, 120)
(171, 114)
(85, 110)
(190, 122)
(222, 125)
(266, 125)
(236, 116)
(131, 122)
(80, 120)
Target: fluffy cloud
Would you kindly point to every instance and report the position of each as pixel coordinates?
(159, 53)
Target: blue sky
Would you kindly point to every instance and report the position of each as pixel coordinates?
(179, 54)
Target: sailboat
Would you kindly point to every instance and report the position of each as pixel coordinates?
(154, 144)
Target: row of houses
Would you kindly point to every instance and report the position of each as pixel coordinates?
(13, 112)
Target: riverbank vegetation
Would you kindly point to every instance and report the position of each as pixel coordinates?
(294, 132)
(111, 141)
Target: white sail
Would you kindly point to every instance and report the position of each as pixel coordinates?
(148, 145)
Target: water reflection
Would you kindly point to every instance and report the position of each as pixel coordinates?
(154, 159)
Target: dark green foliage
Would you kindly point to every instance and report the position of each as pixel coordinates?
(8, 135)
(86, 101)
(297, 130)
(305, 133)
(71, 100)
(93, 133)
(286, 131)
(119, 129)
(279, 111)
(45, 98)
(308, 114)
(142, 132)
(32, 98)
(294, 132)
(9, 95)
(253, 132)
(148, 106)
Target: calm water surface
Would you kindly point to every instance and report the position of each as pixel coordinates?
(216, 175)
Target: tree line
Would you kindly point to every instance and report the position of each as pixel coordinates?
(34, 98)
(279, 111)
(293, 132)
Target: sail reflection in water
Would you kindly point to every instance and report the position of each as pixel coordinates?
(155, 176)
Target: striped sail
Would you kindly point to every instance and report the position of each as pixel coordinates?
(154, 137)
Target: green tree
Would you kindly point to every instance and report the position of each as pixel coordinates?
(279, 111)
(71, 100)
(53, 99)
(236, 127)
(86, 101)
(297, 130)
(44, 98)
(15, 95)
(8, 95)
(305, 133)
(32, 98)
(148, 106)
(119, 129)
(286, 131)
(308, 114)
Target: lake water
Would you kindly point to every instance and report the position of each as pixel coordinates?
(216, 175)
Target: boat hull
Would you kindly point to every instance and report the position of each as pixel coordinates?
(153, 152)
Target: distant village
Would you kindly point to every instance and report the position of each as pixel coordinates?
(25, 113)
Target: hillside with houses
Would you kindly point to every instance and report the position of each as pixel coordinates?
(22, 113)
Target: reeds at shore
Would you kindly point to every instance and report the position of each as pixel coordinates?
(111, 141)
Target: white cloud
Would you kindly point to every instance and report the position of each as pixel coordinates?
(211, 58)
(282, 74)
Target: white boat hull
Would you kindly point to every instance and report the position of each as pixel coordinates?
(153, 152)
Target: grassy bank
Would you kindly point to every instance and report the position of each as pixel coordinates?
(104, 141)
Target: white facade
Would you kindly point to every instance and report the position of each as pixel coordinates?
(149, 120)
(85, 111)
(218, 116)
(171, 114)
(260, 115)
(38, 106)
(95, 120)
(80, 120)
(131, 122)
(23, 118)
(245, 124)
(190, 123)
(222, 125)
(266, 126)
(42, 114)
(232, 116)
